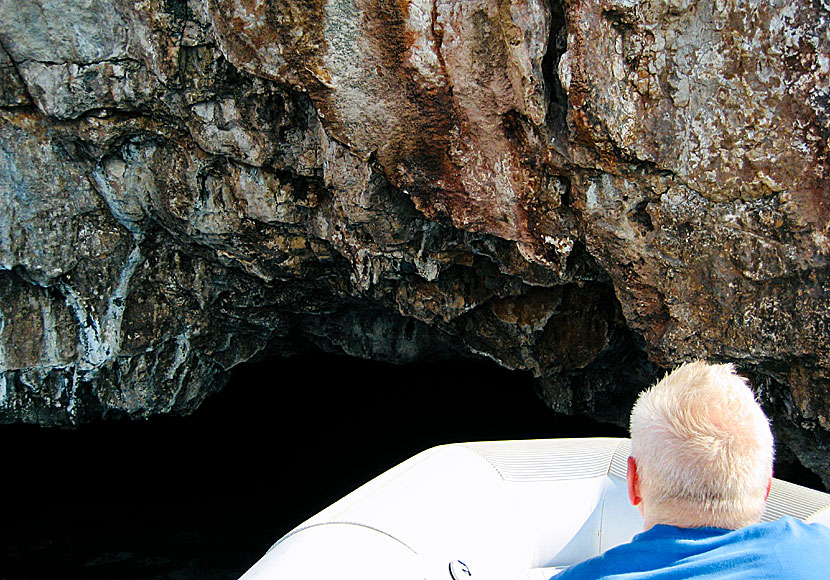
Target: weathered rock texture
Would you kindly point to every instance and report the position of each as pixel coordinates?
(591, 190)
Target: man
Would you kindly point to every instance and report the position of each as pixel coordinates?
(700, 472)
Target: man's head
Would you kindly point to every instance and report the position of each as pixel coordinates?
(702, 450)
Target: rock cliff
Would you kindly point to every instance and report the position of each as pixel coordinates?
(592, 190)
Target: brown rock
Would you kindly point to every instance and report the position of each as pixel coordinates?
(590, 190)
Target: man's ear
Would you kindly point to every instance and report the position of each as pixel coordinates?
(633, 479)
(769, 486)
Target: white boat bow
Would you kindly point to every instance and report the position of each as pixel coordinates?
(502, 510)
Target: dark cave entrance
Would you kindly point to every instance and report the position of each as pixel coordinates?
(204, 496)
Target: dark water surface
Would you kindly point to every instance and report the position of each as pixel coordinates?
(205, 496)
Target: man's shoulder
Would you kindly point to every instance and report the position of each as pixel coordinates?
(645, 551)
(656, 552)
(787, 526)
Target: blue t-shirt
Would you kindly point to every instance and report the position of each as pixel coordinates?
(783, 549)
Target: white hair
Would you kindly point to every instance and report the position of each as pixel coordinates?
(703, 448)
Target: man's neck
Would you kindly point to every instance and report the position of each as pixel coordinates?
(683, 517)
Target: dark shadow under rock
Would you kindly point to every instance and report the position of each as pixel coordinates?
(205, 496)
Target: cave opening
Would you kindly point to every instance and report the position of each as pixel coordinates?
(204, 496)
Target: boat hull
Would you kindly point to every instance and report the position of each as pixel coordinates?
(487, 510)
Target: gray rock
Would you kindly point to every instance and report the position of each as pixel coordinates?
(592, 192)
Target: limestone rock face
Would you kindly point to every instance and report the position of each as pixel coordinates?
(589, 190)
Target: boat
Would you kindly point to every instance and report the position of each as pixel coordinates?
(497, 510)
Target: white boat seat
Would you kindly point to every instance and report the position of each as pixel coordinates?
(506, 509)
